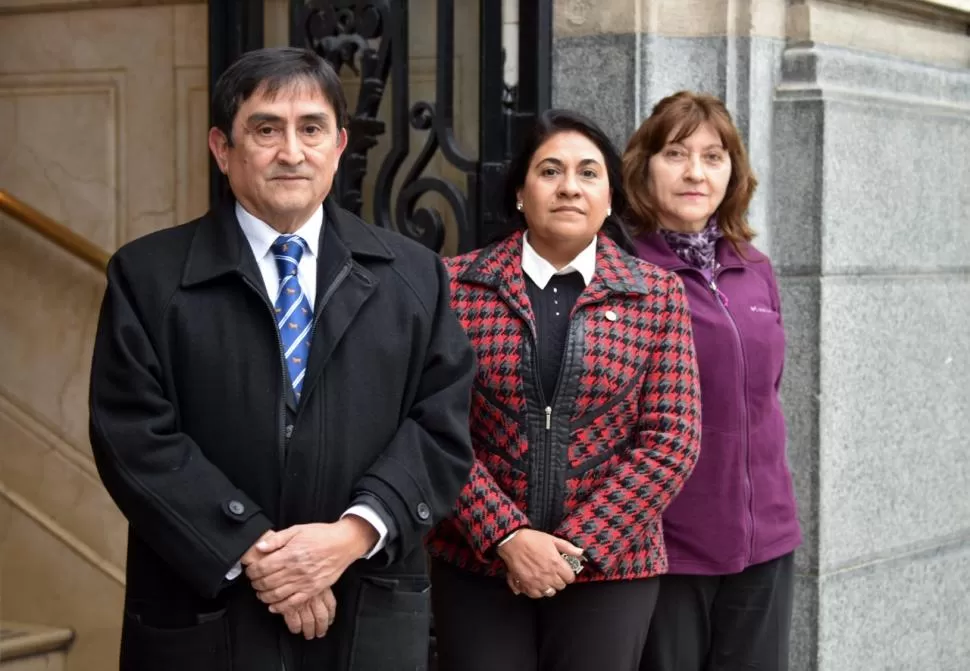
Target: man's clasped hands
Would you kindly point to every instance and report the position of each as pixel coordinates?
(293, 570)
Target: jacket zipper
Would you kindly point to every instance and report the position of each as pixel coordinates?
(319, 305)
(748, 488)
(545, 466)
(317, 308)
(281, 406)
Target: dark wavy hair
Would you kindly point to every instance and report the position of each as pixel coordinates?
(550, 123)
(272, 69)
(682, 113)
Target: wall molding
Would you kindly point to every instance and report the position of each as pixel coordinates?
(8, 8)
(111, 83)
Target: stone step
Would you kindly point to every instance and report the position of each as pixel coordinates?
(29, 647)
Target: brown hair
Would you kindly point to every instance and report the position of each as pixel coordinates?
(683, 112)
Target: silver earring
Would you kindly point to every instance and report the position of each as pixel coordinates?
(518, 206)
(609, 211)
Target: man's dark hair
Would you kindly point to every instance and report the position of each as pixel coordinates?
(270, 70)
(550, 123)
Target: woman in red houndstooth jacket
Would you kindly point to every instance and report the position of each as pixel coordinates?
(584, 421)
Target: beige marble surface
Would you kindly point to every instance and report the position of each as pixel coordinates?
(92, 104)
(37, 6)
(934, 41)
(103, 120)
(930, 31)
(46, 583)
(672, 18)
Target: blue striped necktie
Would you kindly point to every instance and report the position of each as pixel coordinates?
(293, 314)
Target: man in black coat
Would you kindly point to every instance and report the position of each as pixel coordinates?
(279, 406)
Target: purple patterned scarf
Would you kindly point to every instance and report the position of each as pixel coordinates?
(696, 249)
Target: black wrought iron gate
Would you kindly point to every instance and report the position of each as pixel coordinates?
(370, 39)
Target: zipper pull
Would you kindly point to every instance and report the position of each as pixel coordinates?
(718, 294)
(548, 418)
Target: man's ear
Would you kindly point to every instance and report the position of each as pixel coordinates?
(219, 146)
(341, 141)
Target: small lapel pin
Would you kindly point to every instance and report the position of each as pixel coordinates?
(610, 315)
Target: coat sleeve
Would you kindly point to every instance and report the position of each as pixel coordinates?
(486, 514)
(175, 500)
(418, 476)
(646, 478)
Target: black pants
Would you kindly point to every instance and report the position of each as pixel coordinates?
(723, 623)
(482, 626)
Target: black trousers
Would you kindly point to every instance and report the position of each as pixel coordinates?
(739, 622)
(482, 626)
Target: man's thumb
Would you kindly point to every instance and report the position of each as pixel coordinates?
(565, 547)
(274, 540)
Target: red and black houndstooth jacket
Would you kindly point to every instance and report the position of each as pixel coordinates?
(599, 462)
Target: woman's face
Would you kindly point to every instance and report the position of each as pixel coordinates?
(567, 191)
(688, 179)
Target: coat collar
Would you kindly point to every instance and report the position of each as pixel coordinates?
(653, 248)
(219, 246)
(500, 267)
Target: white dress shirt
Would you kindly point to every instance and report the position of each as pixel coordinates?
(261, 237)
(541, 271)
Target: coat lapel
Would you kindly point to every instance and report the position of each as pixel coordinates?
(344, 284)
(500, 268)
(616, 273)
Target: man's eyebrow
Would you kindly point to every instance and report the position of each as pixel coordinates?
(318, 117)
(265, 117)
(262, 117)
(555, 161)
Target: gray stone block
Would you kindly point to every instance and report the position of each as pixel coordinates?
(754, 103)
(894, 416)
(596, 76)
(671, 64)
(896, 188)
(799, 395)
(909, 614)
(796, 186)
(804, 626)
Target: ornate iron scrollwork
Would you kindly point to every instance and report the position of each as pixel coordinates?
(370, 38)
(343, 34)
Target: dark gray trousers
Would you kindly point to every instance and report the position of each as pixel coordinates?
(481, 626)
(739, 622)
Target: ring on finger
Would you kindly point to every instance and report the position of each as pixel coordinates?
(550, 591)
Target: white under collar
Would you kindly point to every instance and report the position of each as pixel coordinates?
(541, 271)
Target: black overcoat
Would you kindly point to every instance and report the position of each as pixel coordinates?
(198, 443)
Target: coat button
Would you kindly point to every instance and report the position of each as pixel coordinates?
(610, 315)
(236, 507)
(288, 431)
(424, 512)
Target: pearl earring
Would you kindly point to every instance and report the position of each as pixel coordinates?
(609, 211)
(518, 206)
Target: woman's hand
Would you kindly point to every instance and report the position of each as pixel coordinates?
(535, 565)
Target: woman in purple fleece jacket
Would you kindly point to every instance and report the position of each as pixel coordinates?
(727, 600)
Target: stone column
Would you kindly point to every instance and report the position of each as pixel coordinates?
(871, 232)
(857, 120)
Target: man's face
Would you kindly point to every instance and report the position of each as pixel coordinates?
(284, 153)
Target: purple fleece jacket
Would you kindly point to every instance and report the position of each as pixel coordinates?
(738, 507)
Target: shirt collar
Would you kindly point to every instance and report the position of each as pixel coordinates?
(541, 271)
(261, 235)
